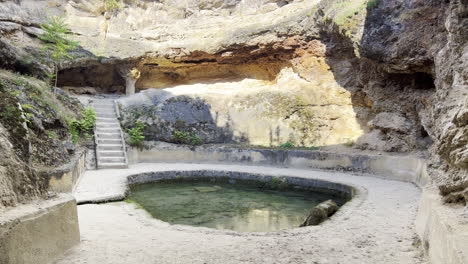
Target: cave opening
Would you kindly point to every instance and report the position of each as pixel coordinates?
(423, 81)
(417, 80)
(423, 132)
(101, 78)
(105, 78)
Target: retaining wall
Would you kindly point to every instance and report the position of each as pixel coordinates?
(64, 179)
(444, 237)
(401, 168)
(38, 233)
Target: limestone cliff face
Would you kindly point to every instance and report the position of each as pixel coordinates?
(386, 75)
(18, 182)
(33, 136)
(428, 40)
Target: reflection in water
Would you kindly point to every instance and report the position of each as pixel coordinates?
(243, 208)
(262, 220)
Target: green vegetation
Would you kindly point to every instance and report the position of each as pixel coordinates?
(57, 44)
(372, 3)
(277, 183)
(349, 143)
(135, 203)
(346, 10)
(35, 118)
(288, 144)
(110, 5)
(346, 14)
(52, 134)
(136, 134)
(189, 138)
(82, 128)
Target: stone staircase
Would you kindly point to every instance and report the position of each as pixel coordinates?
(110, 143)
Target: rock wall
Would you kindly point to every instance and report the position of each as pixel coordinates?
(427, 40)
(251, 111)
(386, 75)
(34, 136)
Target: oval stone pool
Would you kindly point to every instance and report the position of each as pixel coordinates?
(226, 203)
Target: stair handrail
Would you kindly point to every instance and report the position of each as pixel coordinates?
(96, 142)
(124, 145)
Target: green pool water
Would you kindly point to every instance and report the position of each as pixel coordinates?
(238, 207)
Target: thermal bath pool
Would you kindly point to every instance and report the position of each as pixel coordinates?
(375, 226)
(246, 206)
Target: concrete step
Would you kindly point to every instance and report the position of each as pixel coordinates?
(112, 165)
(105, 103)
(106, 115)
(111, 160)
(111, 153)
(108, 135)
(107, 125)
(102, 105)
(108, 130)
(110, 141)
(104, 110)
(107, 147)
(110, 144)
(106, 119)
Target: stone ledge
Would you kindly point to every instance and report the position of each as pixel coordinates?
(442, 231)
(340, 189)
(401, 168)
(64, 179)
(40, 232)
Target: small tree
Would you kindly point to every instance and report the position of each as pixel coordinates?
(56, 41)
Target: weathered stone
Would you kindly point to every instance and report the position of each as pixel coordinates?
(386, 121)
(320, 213)
(43, 231)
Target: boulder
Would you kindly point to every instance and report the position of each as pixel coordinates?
(387, 121)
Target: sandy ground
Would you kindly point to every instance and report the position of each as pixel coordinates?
(376, 227)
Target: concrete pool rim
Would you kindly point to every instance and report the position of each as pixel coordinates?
(356, 195)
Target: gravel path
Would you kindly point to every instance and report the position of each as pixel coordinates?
(376, 227)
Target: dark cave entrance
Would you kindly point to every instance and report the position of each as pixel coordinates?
(423, 81)
(103, 78)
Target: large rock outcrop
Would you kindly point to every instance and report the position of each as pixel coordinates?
(34, 136)
(389, 75)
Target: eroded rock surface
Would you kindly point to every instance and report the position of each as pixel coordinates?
(387, 75)
(34, 136)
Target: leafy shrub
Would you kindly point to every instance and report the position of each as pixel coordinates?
(288, 144)
(84, 126)
(136, 134)
(189, 138)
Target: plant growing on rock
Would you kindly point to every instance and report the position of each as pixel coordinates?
(372, 3)
(189, 138)
(57, 44)
(84, 126)
(136, 134)
(288, 144)
(110, 5)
